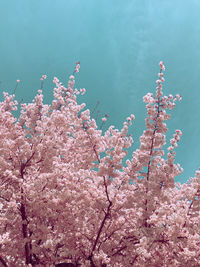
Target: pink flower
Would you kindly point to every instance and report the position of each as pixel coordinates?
(77, 67)
(170, 148)
(82, 91)
(179, 132)
(158, 81)
(162, 67)
(55, 80)
(18, 81)
(132, 117)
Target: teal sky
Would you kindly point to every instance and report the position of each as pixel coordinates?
(119, 44)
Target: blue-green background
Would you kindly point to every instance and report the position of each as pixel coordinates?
(119, 44)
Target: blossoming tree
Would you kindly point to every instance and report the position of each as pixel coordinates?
(66, 197)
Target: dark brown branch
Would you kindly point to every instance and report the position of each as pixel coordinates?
(3, 262)
(149, 163)
(27, 248)
(119, 250)
(25, 232)
(191, 204)
(107, 213)
(102, 223)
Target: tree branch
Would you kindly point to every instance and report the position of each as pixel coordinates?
(3, 262)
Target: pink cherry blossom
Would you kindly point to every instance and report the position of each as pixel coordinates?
(68, 192)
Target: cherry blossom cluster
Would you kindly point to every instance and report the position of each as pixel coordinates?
(71, 193)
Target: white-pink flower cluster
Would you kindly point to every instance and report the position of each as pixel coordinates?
(68, 192)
